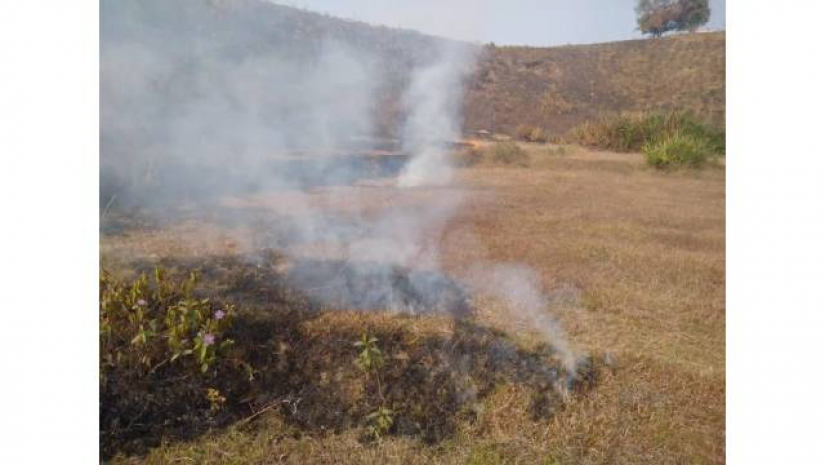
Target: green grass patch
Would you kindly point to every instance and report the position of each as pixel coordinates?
(680, 149)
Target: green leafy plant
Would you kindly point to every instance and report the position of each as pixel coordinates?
(370, 360)
(150, 324)
(369, 357)
(216, 399)
(380, 422)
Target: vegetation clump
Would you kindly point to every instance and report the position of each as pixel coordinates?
(678, 150)
(161, 351)
(631, 133)
(145, 326)
(657, 17)
(509, 153)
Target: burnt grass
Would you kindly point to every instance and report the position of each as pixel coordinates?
(437, 368)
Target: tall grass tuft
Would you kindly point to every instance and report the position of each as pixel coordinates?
(680, 149)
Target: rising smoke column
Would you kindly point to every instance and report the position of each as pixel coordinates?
(519, 288)
(433, 105)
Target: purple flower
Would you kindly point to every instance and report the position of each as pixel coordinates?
(141, 302)
(219, 315)
(208, 339)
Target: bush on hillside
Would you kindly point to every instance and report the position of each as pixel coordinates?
(632, 133)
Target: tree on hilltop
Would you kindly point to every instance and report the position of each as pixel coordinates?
(657, 17)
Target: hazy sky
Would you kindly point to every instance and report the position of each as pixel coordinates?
(514, 22)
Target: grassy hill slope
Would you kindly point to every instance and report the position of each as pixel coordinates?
(553, 88)
(557, 88)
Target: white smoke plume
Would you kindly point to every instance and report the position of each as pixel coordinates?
(433, 104)
(519, 288)
(203, 102)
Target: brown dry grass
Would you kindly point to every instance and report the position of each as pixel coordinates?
(641, 256)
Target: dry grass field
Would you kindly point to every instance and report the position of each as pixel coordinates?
(635, 261)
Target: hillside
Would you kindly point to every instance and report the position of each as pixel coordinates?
(557, 88)
(554, 88)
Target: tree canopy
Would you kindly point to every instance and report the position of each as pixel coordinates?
(657, 17)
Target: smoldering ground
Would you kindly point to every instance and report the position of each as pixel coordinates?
(200, 114)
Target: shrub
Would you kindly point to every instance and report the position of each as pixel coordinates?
(681, 149)
(632, 133)
(509, 153)
(143, 325)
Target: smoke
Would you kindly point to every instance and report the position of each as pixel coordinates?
(188, 118)
(519, 288)
(434, 119)
(219, 108)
